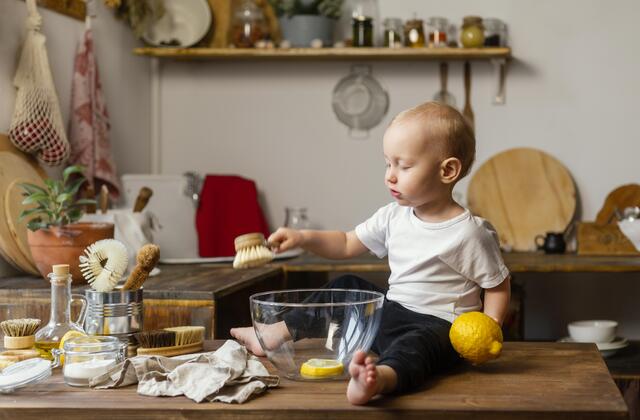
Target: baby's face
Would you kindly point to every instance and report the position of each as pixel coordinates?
(412, 165)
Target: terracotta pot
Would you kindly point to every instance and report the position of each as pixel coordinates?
(64, 245)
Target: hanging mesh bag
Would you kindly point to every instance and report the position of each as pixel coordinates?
(37, 125)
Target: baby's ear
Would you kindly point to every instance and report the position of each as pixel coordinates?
(450, 169)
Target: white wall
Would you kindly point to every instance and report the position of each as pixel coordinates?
(571, 91)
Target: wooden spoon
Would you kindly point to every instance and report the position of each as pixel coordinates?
(467, 111)
(443, 95)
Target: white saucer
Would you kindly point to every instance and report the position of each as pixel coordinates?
(607, 349)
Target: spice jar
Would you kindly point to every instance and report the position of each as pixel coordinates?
(414, 33)
(362, 31)
(472, 34)
(248, 25)
(495, 32)
(393, 33)
(87, 357)
(437, 27)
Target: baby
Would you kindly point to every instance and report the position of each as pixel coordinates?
(441, 256)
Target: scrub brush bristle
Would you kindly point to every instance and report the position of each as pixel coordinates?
(104, 263)
(251, 251)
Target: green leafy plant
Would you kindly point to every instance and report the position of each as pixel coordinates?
(328, 8)
(55, 205)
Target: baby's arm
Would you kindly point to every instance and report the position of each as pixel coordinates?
(496, 300)
(328, 244)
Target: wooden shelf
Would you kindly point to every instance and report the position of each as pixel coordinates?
(398, 54)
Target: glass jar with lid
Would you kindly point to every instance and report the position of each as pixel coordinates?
(437, 28)
(248, 25)
(495, 33)
(472, 33)
(296, 218)
(87, 357)
(414, 33)
(392, 33)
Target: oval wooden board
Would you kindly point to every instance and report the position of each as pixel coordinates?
(523, 192)
(14, 165)
(12, 208)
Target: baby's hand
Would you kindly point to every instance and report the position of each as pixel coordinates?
(284, 239)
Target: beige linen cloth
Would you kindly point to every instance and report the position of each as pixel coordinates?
(228, 375)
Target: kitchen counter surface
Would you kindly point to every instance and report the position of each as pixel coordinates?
(529, 380)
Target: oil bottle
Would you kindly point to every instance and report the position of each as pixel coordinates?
(49, 336)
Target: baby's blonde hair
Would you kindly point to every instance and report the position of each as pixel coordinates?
(447, 128)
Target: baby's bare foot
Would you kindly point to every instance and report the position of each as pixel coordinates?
(247, 337)
(364, 379)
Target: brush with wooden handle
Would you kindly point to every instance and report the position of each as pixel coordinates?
(467, 111)
(142, 199)
(146, 259)
(104, 199)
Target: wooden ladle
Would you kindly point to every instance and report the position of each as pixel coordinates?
(467, 111)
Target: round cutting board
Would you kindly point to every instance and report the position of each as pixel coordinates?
(15, 165)
(523, 193)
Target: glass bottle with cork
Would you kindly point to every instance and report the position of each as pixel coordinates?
(49, 336)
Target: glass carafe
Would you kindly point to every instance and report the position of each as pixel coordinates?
(49, 336)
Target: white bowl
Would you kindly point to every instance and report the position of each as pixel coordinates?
(593, 331)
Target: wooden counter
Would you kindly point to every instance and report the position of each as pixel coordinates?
(529, 380)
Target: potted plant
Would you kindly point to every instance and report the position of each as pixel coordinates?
(302, 21)
(54, 236)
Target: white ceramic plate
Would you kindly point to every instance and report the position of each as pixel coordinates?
(607, 349)
(183, 24)
(284, 255)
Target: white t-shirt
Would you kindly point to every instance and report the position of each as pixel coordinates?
(436, 268)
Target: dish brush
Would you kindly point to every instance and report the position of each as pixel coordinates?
(104, 263)
(146, 259)
(170, 341)
(19, 333)
(251, 251)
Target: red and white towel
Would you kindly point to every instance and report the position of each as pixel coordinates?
(89, 125)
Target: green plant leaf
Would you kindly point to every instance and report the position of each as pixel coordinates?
(29, 212)
(70, 170)
(74, 215)
(64, 197)
(83, 202)
(32, 188)
(36, 224)
(75, 187)
(36, 198)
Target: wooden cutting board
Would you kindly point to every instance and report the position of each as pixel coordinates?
(523, 192)
(15, 165)
(620, 198)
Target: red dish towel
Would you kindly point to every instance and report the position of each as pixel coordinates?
(228, 208)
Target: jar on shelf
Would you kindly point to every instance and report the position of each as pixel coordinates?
(296, 218)
(472, 33)
(362, 31)
(248, 25)
(495, 33)
(437, 28)
(392, 33)
(414, 33)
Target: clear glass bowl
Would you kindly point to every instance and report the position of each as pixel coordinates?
(296, 326)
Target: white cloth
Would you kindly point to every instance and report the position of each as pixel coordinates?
(436, 268)
(228, 375)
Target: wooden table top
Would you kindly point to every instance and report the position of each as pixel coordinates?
(529, 380)
(515, 261)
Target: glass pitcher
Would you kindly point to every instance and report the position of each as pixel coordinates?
(49, 336)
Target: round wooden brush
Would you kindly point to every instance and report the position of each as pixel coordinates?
(251, 251)
(19, 333)
(146, 259)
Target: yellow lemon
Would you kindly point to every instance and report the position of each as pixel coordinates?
(476, 337)
(69, 334)
(321, 368)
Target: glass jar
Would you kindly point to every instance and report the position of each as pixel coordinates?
(437, 27)
(296, 218)
(362, 31)
(472, 33)
(248, 25)
(368, 11)
(495, 33)
(49, 336)
(392, 33)
(414, 33)
(87, 357)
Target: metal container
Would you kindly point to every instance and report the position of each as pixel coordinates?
(117, 313)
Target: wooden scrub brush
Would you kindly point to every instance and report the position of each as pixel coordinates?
(172, 341)
(104, 263)
(19, 333)
(146, 259)
(251, 251)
